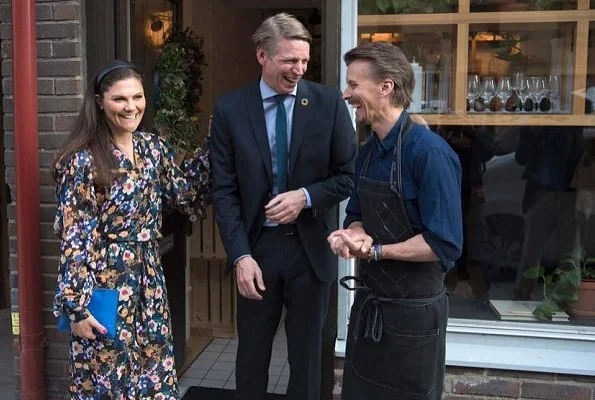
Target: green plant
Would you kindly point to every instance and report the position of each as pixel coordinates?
(560, 286)
(541, 5)
(372, 7)
(507, 48)
(179, 71)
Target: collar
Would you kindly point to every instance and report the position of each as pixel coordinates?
(386, 145)
(267, 92)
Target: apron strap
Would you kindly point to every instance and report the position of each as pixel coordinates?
(397, 165)
(374, 320)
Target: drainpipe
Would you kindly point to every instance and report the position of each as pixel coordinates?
(24, 70)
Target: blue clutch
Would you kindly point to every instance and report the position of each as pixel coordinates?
(103, 306)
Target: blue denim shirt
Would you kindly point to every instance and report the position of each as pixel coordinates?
(431, 187)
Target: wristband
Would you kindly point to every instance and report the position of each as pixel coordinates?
(375, 252)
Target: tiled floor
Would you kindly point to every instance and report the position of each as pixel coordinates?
(215, 367)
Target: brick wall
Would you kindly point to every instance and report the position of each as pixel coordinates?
(476, 383)
(60, 86)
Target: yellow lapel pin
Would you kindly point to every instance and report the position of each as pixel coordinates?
(304, 102)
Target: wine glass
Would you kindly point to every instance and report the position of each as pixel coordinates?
(540, 93)
(525, 93)
(489, 88)
(516, 82)
(516, 85)
(504, 88)
(535, 90)
(473, 90)
(541, 87)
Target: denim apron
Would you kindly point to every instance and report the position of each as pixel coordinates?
(397, 328)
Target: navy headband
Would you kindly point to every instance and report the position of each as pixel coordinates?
(116, 64)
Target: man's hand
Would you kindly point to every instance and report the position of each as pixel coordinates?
(285, 207)
(351, 242)
(337, 244)
(247, 271)
(357, 241)
(84, 328)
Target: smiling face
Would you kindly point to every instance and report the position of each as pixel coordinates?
(124, 105)
(283, 70)
(363, 92)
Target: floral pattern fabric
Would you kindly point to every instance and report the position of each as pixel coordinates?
(109, 239)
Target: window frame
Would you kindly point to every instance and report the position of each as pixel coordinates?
(536, 347)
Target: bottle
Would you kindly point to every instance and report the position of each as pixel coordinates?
(416, 96)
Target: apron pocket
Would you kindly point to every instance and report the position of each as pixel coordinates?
(403, 361)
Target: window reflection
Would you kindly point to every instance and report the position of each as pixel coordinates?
(528, 197)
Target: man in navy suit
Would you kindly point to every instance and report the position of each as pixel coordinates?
(282, 158)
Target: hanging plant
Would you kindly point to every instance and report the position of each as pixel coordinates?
(178, 89)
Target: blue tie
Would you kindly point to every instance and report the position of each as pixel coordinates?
(281, 143)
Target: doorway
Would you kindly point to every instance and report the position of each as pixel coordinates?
(227, 27)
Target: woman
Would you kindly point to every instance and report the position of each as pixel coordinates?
(111, 180)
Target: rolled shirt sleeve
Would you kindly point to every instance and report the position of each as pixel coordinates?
(439, 202)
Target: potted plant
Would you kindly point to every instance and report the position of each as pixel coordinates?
(178, 75)
(570, 287)
(584, 306)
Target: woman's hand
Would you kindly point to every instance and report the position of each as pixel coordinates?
(84, 328)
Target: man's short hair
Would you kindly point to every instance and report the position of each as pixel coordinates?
(387, 62)
(278, 27)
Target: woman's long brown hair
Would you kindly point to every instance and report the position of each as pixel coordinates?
(91, 131)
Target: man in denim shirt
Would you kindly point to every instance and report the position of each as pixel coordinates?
(404, 224)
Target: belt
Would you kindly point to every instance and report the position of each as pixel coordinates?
(285, 229)
(374, 321)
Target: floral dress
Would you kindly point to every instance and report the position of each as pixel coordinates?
(109, 239)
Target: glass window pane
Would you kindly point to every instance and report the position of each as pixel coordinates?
(521, 68)
(590, 89)
(521, 5)
(431, 51)
(379, 7)
(527, 151)
(528, 203)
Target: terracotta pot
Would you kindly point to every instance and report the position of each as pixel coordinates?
(584, 306)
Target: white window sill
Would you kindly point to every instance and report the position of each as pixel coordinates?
(517, 346)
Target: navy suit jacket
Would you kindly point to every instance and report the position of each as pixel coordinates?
(321, 159)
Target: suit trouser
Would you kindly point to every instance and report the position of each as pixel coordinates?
(289, 280)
